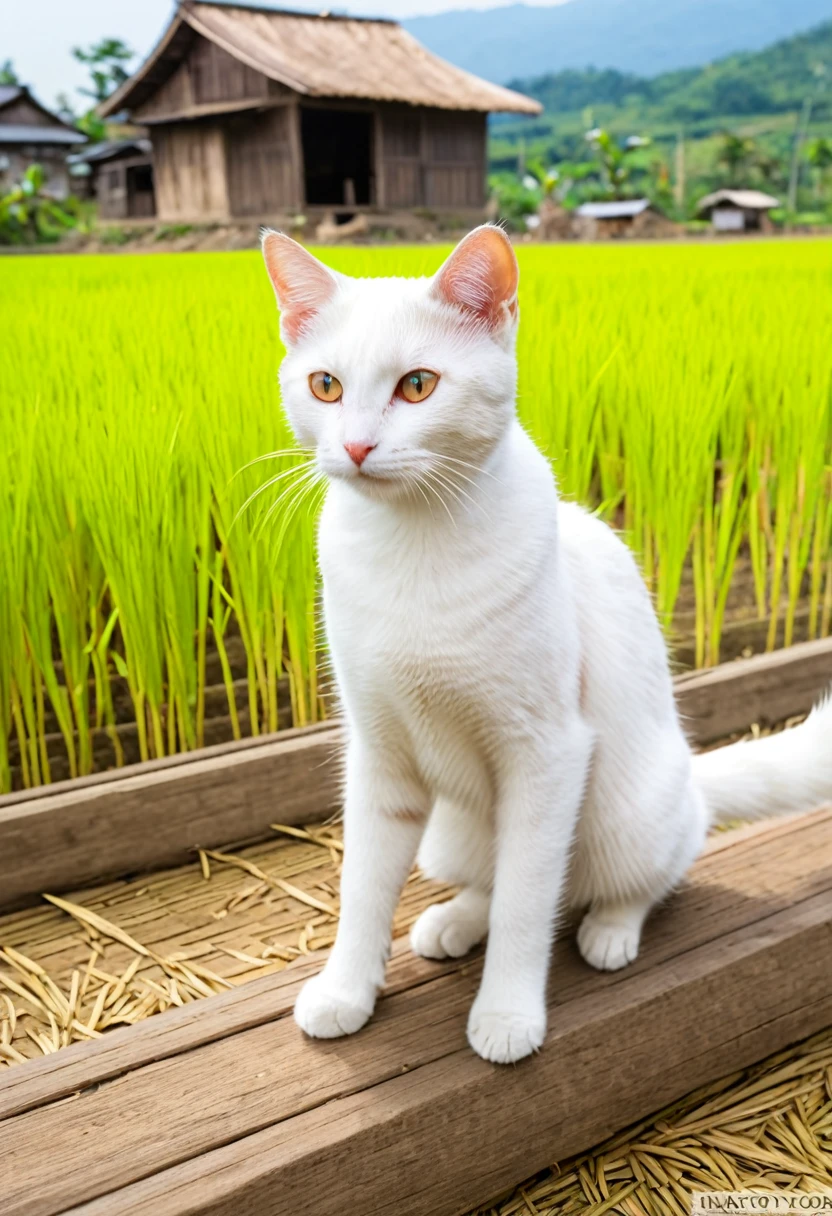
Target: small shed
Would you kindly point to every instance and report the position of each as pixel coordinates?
(255, 113)
(738, 210)
(118, 174)
(31, 134)
(628, 217)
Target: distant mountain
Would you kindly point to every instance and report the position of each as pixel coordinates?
(645, 37)
(771, 81)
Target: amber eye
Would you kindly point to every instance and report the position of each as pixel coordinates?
(418, 385)
(325, 387)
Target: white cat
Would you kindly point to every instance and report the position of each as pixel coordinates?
(504, 680)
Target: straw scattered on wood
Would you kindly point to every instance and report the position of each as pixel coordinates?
(764, 1129)
(50, 977)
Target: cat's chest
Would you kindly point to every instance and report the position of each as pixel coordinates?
(411, 636)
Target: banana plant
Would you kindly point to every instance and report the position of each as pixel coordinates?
(29, 213)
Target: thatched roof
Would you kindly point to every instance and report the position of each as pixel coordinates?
(319, 56)
(745, 200)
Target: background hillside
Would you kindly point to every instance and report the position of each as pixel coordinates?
(640, 36)
(735, 122)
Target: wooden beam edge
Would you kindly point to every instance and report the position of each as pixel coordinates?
(269, 998)
(451, 1134)
(154, 815)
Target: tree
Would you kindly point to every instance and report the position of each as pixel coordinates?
(615, 159)
(7, 73)
(819, 156)
(819, 153)
(737, 155)
(106, 60)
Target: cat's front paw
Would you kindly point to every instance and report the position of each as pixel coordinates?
(505, 1035)
(325, 1011)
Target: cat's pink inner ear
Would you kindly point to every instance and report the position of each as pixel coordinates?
(481, 276)
(302, 284)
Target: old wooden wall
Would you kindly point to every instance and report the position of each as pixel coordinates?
(432, 158)
(190, 171)
(206, 76)
(260, 162)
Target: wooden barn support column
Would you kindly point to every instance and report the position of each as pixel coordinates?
(297, 156)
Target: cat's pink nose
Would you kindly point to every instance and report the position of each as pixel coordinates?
(358, 452)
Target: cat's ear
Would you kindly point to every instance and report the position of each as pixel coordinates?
(481, 276)
(302, 284)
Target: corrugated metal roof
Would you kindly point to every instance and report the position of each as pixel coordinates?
(746, 200)
(111, 147)
(626, 208)
(14, 133)
(324, 56)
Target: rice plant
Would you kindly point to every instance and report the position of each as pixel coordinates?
(157, 521)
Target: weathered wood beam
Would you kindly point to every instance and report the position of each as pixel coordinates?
(58, 837)
(405, 1118)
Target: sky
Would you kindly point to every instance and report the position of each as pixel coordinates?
(38, 35)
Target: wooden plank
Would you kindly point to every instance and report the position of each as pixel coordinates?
(440, 1139)
(153, 814)
(56, 838)
(767, 689)
(270, 997)
(728, 973)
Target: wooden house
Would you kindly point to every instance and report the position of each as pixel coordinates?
(118, 174)
(255, 113)
(738, 210)
(31, 134)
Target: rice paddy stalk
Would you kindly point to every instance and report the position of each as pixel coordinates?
(683, 392)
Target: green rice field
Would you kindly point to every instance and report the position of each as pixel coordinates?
(684, 391)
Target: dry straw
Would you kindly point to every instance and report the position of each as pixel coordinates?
(766, 1128)
(39, 1013)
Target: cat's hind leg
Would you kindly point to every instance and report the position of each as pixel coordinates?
(451, 929)
(610, 933)
(457, 848)
(643, 825)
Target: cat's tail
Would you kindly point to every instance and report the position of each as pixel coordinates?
(775, 775)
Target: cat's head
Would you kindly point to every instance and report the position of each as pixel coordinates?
(396, 382)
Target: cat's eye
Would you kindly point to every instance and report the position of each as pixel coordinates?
(325, 387)
(418, 385)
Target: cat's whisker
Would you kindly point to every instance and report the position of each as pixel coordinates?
(272, 456)
(417, 485)
(297, 469)
(468, 465)
(453, 473)
(455, 489)
(430, 483)
(309, 477)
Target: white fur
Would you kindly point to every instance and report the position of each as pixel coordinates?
(504, 680)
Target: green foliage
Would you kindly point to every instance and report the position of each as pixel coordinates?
(764, 82)
(169, 232)
(754, 96)
(616, 161)
(28, 213)
(513, 200)
(113, 234)
(685, 392)
(7, 73)
(106, 60)
(819, 153)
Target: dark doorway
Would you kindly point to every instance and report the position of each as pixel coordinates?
(337, 157)
(141, 201)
